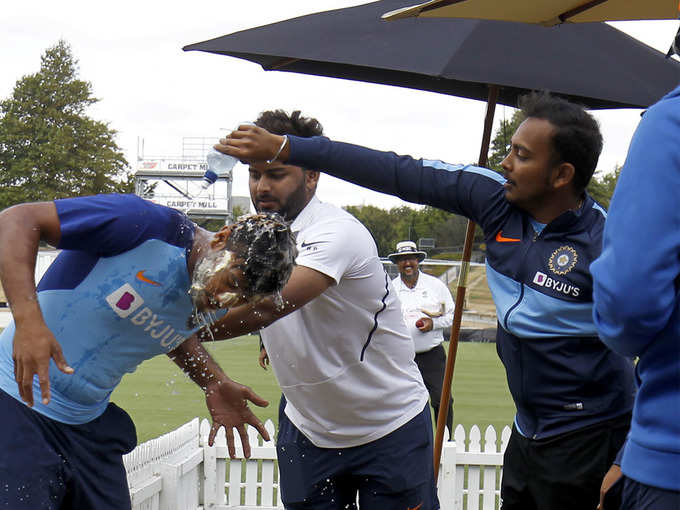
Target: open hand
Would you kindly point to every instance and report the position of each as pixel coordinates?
(34, 346)
(227, 402)
(252, 144)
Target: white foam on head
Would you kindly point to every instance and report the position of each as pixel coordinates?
(207, 268)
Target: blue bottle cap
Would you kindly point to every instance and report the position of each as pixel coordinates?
(210, 176)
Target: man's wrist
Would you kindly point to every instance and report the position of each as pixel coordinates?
(26, 311)
(214, 382)
(277, 155)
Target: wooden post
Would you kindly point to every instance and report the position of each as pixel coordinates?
(460, 292)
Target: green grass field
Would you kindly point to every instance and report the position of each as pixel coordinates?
(159, 397)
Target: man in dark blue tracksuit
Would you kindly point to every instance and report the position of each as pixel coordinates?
(542, 230)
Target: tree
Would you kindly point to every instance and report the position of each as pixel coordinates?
(406, 223)
(500, 145)
(601, 186)
(49, 147)
(237, 211)
(379, 224)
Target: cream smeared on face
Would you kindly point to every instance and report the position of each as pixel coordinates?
(209, 288)
(246, 262)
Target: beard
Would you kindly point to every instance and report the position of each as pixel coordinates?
(290, 208)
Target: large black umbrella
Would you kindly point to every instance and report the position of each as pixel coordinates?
(592, 63)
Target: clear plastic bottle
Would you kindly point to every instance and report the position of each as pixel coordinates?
(219, 165)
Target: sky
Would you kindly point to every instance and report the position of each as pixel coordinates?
(150, 90)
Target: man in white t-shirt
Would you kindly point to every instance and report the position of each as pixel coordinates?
(427, 307)
(355, 418)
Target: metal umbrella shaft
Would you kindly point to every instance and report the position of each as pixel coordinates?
(460, 293)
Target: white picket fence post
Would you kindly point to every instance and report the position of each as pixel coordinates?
(179, 471)
(163, 473)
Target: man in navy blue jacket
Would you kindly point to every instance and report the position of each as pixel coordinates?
(542, 230)
(637, 303)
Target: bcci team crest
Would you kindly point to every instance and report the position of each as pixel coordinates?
(563, 260)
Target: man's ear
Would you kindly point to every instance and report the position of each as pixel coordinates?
(220, 238)
(563, 175)
(311, 179)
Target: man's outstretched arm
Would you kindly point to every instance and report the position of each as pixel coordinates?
(304, 285)
(22, 227)
(226, 399)
(466, 190)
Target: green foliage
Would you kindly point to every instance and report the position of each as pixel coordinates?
(601, 186)
(379, 223)
(49, 147)
(500, 145)
(405, 223)
(238, 211)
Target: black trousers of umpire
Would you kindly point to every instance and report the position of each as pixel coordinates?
(432, 365)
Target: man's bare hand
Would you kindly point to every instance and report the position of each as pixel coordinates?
(263, 358)
(609, 479)
(34, 346)
(227, 402)
(252, 144)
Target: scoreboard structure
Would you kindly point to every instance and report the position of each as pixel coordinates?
(177, 182)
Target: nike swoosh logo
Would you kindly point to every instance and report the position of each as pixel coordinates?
(501, 239)
(304, 245)
(141, 277)
(415, 507)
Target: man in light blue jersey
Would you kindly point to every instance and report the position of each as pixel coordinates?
(134, 279)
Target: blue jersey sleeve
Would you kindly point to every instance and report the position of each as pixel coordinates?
(636, 279)
(106, 225)
(474, 192)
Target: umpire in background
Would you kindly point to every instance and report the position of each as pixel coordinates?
(427, 307)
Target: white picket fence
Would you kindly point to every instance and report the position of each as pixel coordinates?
(179, 471)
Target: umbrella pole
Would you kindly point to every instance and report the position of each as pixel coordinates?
(460, 293)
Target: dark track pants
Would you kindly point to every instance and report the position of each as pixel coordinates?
(48, 465)
(563, 472)
(638, 496)
(432, 365)
(394, 472)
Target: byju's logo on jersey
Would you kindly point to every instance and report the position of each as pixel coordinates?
(539, 278)
(544, 280)
(125, 300)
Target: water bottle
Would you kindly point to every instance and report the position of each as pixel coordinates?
(219, 165)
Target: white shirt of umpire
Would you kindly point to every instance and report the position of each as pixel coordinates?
(343, 390)
(431, 295)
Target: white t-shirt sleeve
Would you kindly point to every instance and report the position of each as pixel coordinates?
(334, 248)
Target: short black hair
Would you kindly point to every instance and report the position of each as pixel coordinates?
(577, 139)
(267, 245)
(280, 123)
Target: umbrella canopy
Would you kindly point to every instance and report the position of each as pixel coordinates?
(545, 12)
(593, 64)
